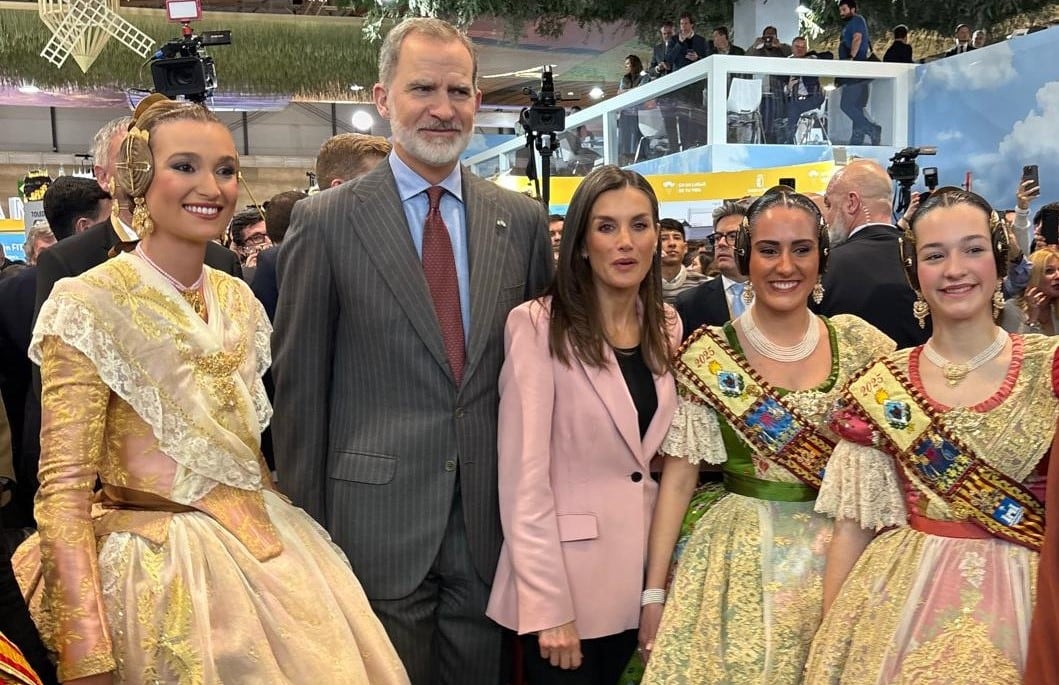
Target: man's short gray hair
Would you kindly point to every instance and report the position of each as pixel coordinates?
(425, 26)
(101, 141)
(726, 209)
(40, 229)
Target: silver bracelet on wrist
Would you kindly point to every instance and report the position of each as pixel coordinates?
(653, 596)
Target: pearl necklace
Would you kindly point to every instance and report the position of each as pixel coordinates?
(955, 373)
(766, 348)
(192, 294)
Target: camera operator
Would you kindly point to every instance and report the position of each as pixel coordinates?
(773, 102)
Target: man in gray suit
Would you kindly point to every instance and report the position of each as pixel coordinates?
(388, 345)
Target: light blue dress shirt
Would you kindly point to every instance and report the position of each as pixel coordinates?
(412, 189)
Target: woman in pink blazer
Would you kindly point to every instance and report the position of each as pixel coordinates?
(586, 397)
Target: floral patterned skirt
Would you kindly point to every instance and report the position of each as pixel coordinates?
(200, 608)
(745, 602)
(929, 610)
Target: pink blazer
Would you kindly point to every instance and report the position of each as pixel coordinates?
(576, 495)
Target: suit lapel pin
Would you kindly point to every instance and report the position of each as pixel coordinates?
(501, 226)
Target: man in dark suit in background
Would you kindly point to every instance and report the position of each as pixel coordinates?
(71, 204)
(864, 273)
(661, 61)
(719, 299)
(388, 345)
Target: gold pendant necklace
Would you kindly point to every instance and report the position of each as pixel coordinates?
(953, 372)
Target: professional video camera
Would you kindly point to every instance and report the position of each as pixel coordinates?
(181, 67)
(544, 115)
(542, 120)
(905, 171)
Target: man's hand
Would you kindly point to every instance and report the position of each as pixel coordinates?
(561, 646)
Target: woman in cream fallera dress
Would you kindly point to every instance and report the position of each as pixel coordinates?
(185, 567)
(188, 567)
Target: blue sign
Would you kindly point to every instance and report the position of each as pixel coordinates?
(13, 243)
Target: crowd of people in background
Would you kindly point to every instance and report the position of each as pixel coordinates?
(784, 100)
(811, 450)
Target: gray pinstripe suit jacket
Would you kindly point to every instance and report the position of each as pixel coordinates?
(369, 424)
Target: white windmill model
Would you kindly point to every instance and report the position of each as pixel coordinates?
(81, 28)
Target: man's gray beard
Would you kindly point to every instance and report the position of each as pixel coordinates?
(429, 153)
(837, 231)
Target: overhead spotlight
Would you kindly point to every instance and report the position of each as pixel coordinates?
(596, 93)
(363, 121)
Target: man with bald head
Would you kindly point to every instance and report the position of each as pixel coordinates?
(864, 275)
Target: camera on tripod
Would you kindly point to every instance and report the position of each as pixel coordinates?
(181, 67)
(544, 116)
(903, 167)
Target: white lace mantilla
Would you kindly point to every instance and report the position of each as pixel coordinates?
(204, 459)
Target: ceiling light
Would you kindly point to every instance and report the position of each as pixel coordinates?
(362, 120)
(596, 93)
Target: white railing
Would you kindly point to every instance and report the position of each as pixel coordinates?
(891, 93)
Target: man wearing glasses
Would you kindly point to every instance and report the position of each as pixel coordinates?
(719, 299)
(248, 237)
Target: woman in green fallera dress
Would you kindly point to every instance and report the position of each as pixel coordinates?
(754, 398)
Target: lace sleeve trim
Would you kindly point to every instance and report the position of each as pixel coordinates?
(695, 434)
(861, 484)
(263, 355)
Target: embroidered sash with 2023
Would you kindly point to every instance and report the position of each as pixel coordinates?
(770, 425)
(13, 666)
(939, 460)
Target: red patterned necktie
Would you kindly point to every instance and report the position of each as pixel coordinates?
(439, 267)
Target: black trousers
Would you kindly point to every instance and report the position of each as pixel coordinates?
(603, 659)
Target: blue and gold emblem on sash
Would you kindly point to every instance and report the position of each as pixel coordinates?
(939, 461)
(731, 384)
(898, 414)
(917, 438)
(755, 411)
(772, 422)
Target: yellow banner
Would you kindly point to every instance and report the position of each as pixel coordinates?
(718, 185)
